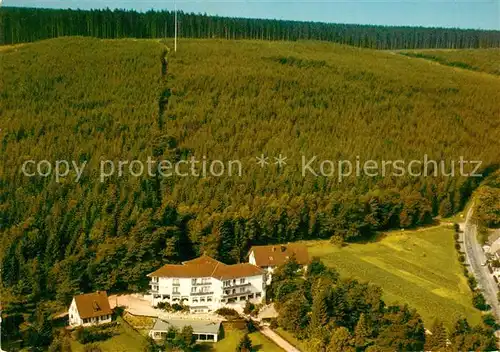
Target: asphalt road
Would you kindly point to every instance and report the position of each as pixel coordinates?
(278, 339)
(476, 257)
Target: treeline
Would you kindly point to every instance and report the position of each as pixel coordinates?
(487, 202)
(329, 314)
(84, 99)
(19, 25)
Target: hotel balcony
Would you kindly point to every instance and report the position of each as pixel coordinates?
(236, 294)
(201, 283)
(236, 286)
(200, 293)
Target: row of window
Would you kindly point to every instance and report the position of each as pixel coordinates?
(241, 298)
(234, 282)
(203, 281)
(201, 337)
(95, 320)
(242, 290)
(202, 300)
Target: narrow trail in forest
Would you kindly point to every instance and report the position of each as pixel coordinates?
(166, 93)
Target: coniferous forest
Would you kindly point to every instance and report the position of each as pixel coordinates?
(86, 100)
(20, 25)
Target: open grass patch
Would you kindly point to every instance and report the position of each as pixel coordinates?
(484, 60)
(415, 267)
(233, 336)
(125, 339)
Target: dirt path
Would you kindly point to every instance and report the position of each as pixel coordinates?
(278, 339)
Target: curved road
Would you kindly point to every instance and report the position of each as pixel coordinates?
(475, 257)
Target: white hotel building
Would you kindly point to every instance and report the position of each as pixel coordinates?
(205, 284)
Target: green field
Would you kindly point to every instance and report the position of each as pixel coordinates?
(126, 340)
(232, 337)
(129, 340)
(415, 267)
(483, 60)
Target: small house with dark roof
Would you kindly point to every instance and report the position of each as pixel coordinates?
(271, 256)
(205, 284)
(90, 309)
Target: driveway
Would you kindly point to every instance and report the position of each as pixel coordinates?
(278, 339)
(135, 304)
(138, 304)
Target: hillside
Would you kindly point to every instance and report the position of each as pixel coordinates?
(480, 60)
(419, 268)
(91, 100)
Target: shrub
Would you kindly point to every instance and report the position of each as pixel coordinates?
(479, 301)
(227, 313)
(255, 311)
(456, 236)
(245, 344)
(489, 320)
(164, 305)
(249, 307)
(176, 307)
(456, 227)
(457, 246)
(471, 280)
(337, 241)
(94, 333)
(251, 326)
(461, 258)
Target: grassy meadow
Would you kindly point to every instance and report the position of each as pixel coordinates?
(126, 340)
(233, 336)
(481, 60)
(415, 267)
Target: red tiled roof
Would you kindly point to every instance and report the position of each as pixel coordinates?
(206, 266)
(92, 305)
(274, 255)
(204, 259)
(237, 270)
(176, 270)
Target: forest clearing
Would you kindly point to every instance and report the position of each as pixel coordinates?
(420, 268)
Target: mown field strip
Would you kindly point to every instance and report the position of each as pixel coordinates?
(415, 267)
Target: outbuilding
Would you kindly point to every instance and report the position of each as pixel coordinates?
(203, 330)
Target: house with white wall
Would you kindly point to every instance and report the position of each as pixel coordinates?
(205, 284)
(90, 309)
(271, 256)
